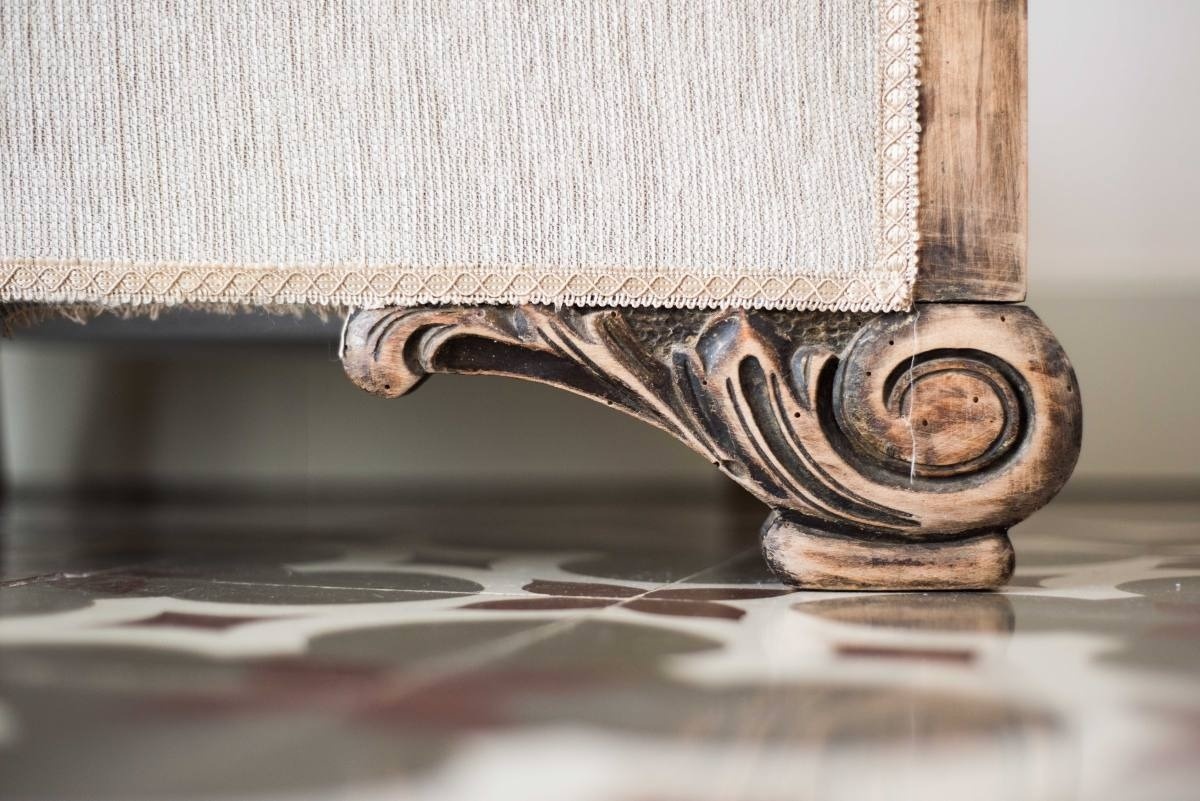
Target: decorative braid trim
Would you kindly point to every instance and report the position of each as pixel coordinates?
(358, 287)
(888, 287)
(899, 143)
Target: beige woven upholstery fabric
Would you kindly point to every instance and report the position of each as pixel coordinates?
(637, 152)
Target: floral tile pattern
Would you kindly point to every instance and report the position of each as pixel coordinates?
(609, 651)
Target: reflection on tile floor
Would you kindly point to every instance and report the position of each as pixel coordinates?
(581, 651)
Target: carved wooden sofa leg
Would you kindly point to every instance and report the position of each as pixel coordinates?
(895, 450)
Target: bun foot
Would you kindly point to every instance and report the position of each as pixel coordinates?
(804, 556)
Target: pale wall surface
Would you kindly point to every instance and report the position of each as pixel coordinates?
(1114, 174)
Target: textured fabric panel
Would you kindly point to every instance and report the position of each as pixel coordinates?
(649, 152)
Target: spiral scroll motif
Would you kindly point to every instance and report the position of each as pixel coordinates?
(972, 409)
(919, 427)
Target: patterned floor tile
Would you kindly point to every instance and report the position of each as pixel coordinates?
(602, 652)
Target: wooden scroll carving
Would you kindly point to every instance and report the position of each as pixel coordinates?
(893, 450)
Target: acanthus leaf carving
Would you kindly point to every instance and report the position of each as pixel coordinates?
(925, 427)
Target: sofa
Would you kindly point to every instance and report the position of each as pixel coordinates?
(790, 234)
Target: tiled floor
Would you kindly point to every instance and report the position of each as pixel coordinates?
(577, 651)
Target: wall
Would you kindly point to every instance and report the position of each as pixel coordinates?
(1114, 167)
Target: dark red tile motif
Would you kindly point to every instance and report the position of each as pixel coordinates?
(581, 589)
(683, 602)
(951, 655)
(546, 604)
(190, 620)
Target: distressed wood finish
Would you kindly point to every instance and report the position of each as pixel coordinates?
(973, 213)
(822, 562)
(895, 450)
